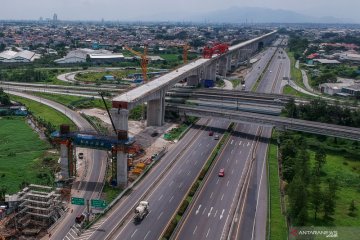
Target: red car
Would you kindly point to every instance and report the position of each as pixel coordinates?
(221, 173)
(211, 133)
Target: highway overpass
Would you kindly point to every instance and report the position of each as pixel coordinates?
(281, 123)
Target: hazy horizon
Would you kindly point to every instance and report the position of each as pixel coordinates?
(127, 10)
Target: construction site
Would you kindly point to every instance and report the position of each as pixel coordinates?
(33, 211)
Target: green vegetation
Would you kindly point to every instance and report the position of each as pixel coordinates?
(4, 98)
(220, 83)
(32, 75)
(329, 73)
(98, 76)
(137, 113)
(111, 192)
(75, 102)
(22, 156)
(176, 133)
(297, 45)
(288, 90)
(319, 110)
(235, 82)
(43, 112)
(278, 229)
(295, 73)
(321, 184)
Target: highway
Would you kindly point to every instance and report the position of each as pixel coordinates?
(88, 185)
(235, 206)
(164, 187)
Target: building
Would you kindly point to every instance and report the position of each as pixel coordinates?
(85, 54)
(55, 17)
(350, 57)
(353, 90)
(23, 56)
(327, 61)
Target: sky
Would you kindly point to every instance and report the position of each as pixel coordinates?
(138, 10)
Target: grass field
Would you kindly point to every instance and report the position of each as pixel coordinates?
(288, 90)
(75, 101)
(20, 155)
(296, 75)
(97, 76)
(347, 172)
(44, 112)
(278, 229)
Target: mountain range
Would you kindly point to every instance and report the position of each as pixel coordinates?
(249, 15)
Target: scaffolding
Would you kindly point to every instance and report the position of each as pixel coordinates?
(39, 207)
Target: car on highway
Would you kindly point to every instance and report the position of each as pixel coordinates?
(211, 133)
(221, 172)
(216, 137)
(270, 71)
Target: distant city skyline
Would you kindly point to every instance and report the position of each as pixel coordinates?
(142, 10)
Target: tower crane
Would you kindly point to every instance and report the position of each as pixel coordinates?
(186, 47)
(143, 60)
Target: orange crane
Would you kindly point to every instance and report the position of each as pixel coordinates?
(186, 47)
(143, 60)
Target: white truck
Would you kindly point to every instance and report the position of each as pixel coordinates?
(141, 211)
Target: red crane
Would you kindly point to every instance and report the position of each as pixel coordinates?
(218, 48)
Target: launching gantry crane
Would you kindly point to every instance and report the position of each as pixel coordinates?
(143, 60)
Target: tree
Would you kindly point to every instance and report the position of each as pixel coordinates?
(330, 200)
(298, 197)
(320, 160)
(316, 196)
(352, 209)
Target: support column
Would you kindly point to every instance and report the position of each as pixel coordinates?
(210, 72)
(228, 63)
(64, 160)
(67, 160)
(156, 112)
(223, 66)
(119, 156)
(193, 80)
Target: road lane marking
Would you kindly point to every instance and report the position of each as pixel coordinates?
(132, 235)
(232, 141)
(194, 230)
(240, 143)
(217, 181)
(232, 171)
(161, 197)
(171, 199)
(248, 144)
(207, 233)
(147, 235)
(180, 185)
(160, 215)
(204, 211)
(202, 153)
(210, 211)
(208, 145)
(197, 211)
(222, 214)
(180, 171)
(211, 194)
(228, 160)
(215, 213)
(222, 197)
(172, 181)
(232, 151)
(188, 172)
(227, 184)
(236, 161)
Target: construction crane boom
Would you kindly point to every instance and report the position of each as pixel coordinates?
(143, 60)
